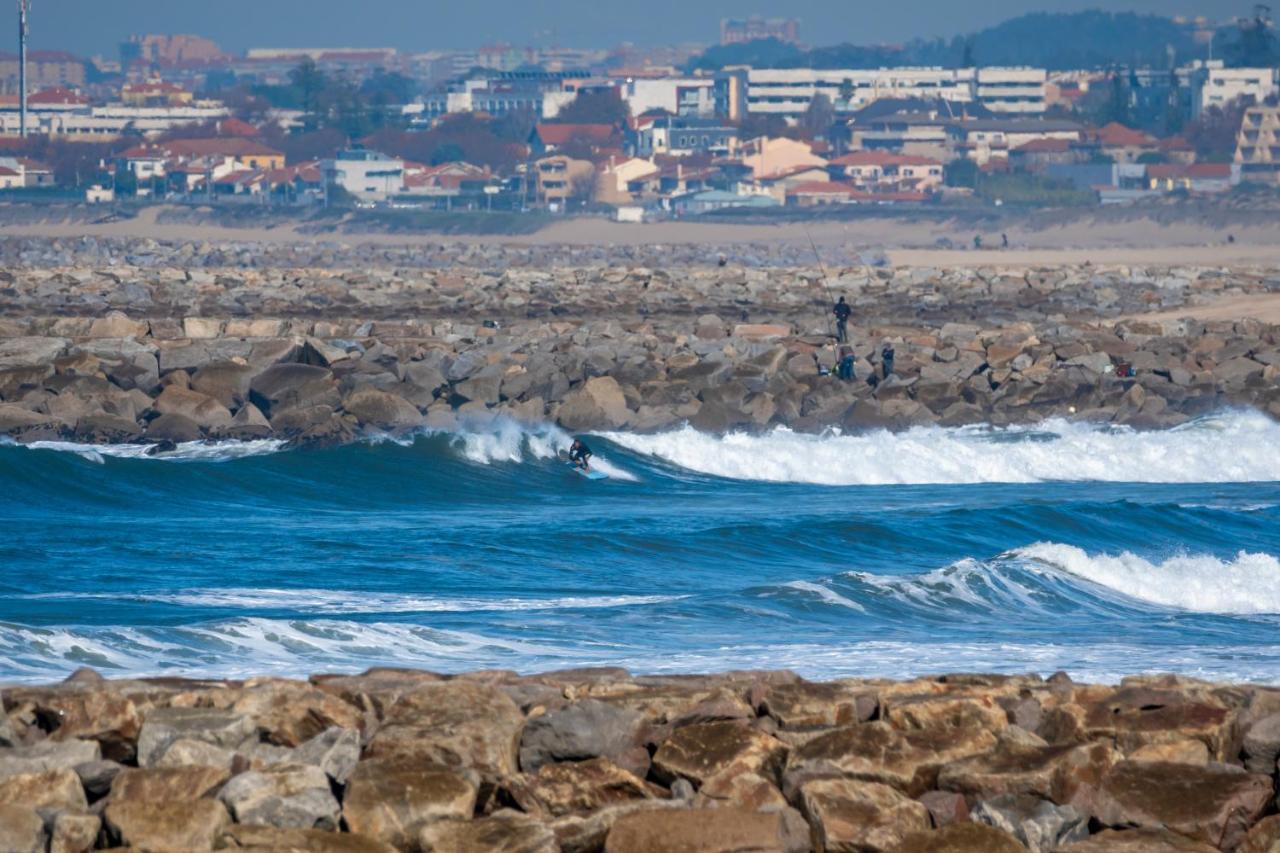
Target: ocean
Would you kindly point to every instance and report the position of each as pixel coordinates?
(1096, 550)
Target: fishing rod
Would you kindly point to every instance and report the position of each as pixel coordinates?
(825, 286)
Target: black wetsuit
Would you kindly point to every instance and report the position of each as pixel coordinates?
(842, 312)
(581, 455)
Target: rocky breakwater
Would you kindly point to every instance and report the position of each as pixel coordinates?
(600, 760)
(325, 357)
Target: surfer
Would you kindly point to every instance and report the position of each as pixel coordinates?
(842, 312)
(580, 454)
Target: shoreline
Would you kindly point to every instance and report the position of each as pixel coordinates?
(600, 759)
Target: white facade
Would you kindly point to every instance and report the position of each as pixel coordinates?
(111, 121)
(681, 96)
(367, 175)
(1011, 91)
(1219, 87)
(789, 92)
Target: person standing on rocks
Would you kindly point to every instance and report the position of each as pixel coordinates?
(842, 312)
(886, 358)
(845, 369)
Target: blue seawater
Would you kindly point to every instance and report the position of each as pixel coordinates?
(1096, 550)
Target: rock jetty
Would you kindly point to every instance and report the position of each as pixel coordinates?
(598, 759)
(158, 343)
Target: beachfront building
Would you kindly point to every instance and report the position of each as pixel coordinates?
(367, 175)
(790, 92)
(682, 137)
(1217, 86)
(1258, 145)
(679, 96)
(561, 179)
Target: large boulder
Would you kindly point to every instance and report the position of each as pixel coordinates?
(269, 838)
(387, 798)
(289, 713)
(225, 381)
(508, 831)
(1215, 804)
(18, 422)
(699, 752)
(452, 724)
(380, 410)
(960, 838)
(1038, 824)
(162, 726)
(73, 833)
(1063, 773)
(597, 404)
(168, 784)
(118, 325)
(292, 386)
(47, 789)
(193, 825)
(850, 815)
(290, 797)
(21, 830)
(576, 786)
(586, 729)
(47, 755)
(807, 705)
(876, 752)
(723, 830)
(30, 351)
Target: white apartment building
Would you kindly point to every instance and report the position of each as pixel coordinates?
(789, 92)
(110, 122)
(1216, 86)
(367, 175)
(680, 96)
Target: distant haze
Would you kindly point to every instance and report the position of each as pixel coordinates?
(90, 27)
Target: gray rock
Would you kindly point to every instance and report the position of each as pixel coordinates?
(162, 726)
(47, 755)
(293, 386)
(1262, 745)
(289, 796)
(1038, 824)
(21, 830)
(577, 732)
(335, 751)
(97, 776)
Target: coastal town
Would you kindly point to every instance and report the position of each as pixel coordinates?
(638, 134)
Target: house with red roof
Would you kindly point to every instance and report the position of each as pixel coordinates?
(1121, 144)
(548, 138)
(884, 171)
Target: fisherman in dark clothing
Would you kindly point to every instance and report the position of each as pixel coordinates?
(845, 369)
(580, 454)
(842, 312)
(886, 359)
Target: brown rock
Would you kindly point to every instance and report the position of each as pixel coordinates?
(586, 833)
(167, 784)
(1263, 838)
(708, 831)
(598, 404)
(876, 752)
(1139, 715)
(54, 789)
(452, 724)
(1186, 751)
(289, 713)
(1065, 774)
(1142, 840)
(386, 798)
(199, 408)
(740, 787)
(174, 827)
(277, 840)
(559, 789)
(960, 838)
(73, 833)
(381, 410)
(916, 713)
(21, 829)
(699, 752)
(945, 807)
(508, 831)
(808, 705)
(862, 816)
(1213, 804)
(93, 712)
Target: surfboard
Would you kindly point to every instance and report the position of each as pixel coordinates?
(591, 474)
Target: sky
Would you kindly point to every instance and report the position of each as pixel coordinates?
(95, 27)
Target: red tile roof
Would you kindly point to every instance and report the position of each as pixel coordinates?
(822, 188)
(1045, 146)
(559, 134)
(235, 127)
(57, 95)
(1117, 135)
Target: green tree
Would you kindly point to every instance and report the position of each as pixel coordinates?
(819, 117)
(310, 85)
(601, 106)
(961, 173)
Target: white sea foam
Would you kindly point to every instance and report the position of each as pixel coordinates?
(190, 451)
(326, 601)
(826, 594)
(1249, 584)
(1234, 447)
(505, 440)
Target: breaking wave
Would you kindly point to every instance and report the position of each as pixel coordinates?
(1236, 447)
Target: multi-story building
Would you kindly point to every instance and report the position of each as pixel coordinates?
(682, 136)
(539, 93)
(165, 50)
(1258, 145)
(755, 28)
(680, 96)
(789, 92)
(367, 175)
(562, 179)
(105, 123)
(46, 69)
(1216, 86)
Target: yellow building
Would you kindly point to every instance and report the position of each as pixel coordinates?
(1258, 144)
(155, 93)
(562, 179)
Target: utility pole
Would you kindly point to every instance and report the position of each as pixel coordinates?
(24, 7)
